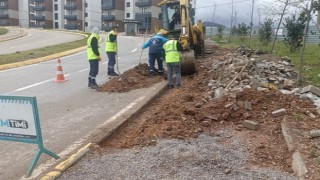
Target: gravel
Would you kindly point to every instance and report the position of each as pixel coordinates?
(220, 156)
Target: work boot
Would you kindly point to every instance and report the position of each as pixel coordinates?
(170, 86)
(94, 85)
(113, 74)
(89, 82)
(151, 74)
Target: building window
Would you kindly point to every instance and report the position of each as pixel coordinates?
(55, 0)
(86, 14)
(56, 25)
(144, 10)
(86, 24)
(128, 15)
(128, 4)
(56, 7)
(56, 16)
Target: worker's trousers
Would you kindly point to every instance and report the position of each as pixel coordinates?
(152, 60)
(111, 62)
(174, 68)
(94, 70)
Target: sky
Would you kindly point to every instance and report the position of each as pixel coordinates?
(219, 11)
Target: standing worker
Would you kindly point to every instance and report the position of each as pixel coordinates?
(155, 52)
(111, 50)
(93, 54)
(172, 56)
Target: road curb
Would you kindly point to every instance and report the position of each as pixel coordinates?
(42, 59)
(63, 166)
(298, 166)
(14, 36)
(105, 131)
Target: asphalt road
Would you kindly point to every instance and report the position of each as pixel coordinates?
(69, 111)
(37, 38)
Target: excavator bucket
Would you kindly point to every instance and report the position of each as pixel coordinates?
(187, 60)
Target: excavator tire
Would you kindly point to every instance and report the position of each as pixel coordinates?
(188, 63)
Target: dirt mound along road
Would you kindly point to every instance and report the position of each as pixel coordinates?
(135, 78)
(204, 105)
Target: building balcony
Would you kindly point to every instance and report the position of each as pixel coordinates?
(108, 17)
(70, 17)
(4, 15)
(38, 17)
(4, 6)
(143, 15)
(106, 28)
(38, 8)
(71, 27)
(142, 3)
(108, 6)
(70, 7)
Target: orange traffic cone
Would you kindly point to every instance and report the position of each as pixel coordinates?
(60, 76)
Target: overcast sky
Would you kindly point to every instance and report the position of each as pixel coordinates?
(219, 11)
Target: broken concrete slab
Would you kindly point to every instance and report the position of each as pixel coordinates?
(298, 165)
(279, 112)
(250, 124)
(312, 89)
(315, 133)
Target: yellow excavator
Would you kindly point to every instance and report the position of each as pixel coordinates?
(177, 19)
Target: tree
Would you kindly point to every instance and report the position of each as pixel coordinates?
(295, 31)
(286, 3)
(265, 32)
(314, 6)
(243, 31)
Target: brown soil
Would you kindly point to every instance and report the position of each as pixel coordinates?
(135, 78)
(187, 112)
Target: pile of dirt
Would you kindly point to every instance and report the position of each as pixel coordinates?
(135, 78)
(193, 109)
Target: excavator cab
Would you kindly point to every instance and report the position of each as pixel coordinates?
(177, 18)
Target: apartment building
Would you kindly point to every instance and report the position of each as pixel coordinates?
(40, 13)
(147, 14)
(9, 13)
(112, 14)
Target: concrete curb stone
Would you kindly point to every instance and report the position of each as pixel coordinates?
(298, 165)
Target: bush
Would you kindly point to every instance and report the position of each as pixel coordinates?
(265, 32)
(295, 27)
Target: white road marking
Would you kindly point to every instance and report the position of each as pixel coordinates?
(33, 85)
(134, 50)
(43, 167)
(83, 70)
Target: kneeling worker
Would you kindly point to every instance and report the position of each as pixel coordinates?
(172, 56)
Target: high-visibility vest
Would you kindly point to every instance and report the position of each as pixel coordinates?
(171, 51)
(111, 46)
(90, 54)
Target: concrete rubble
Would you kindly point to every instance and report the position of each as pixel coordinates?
(262, 75)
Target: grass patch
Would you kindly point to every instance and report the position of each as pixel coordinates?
(41, 52)
(311, 65)
(3, 31)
